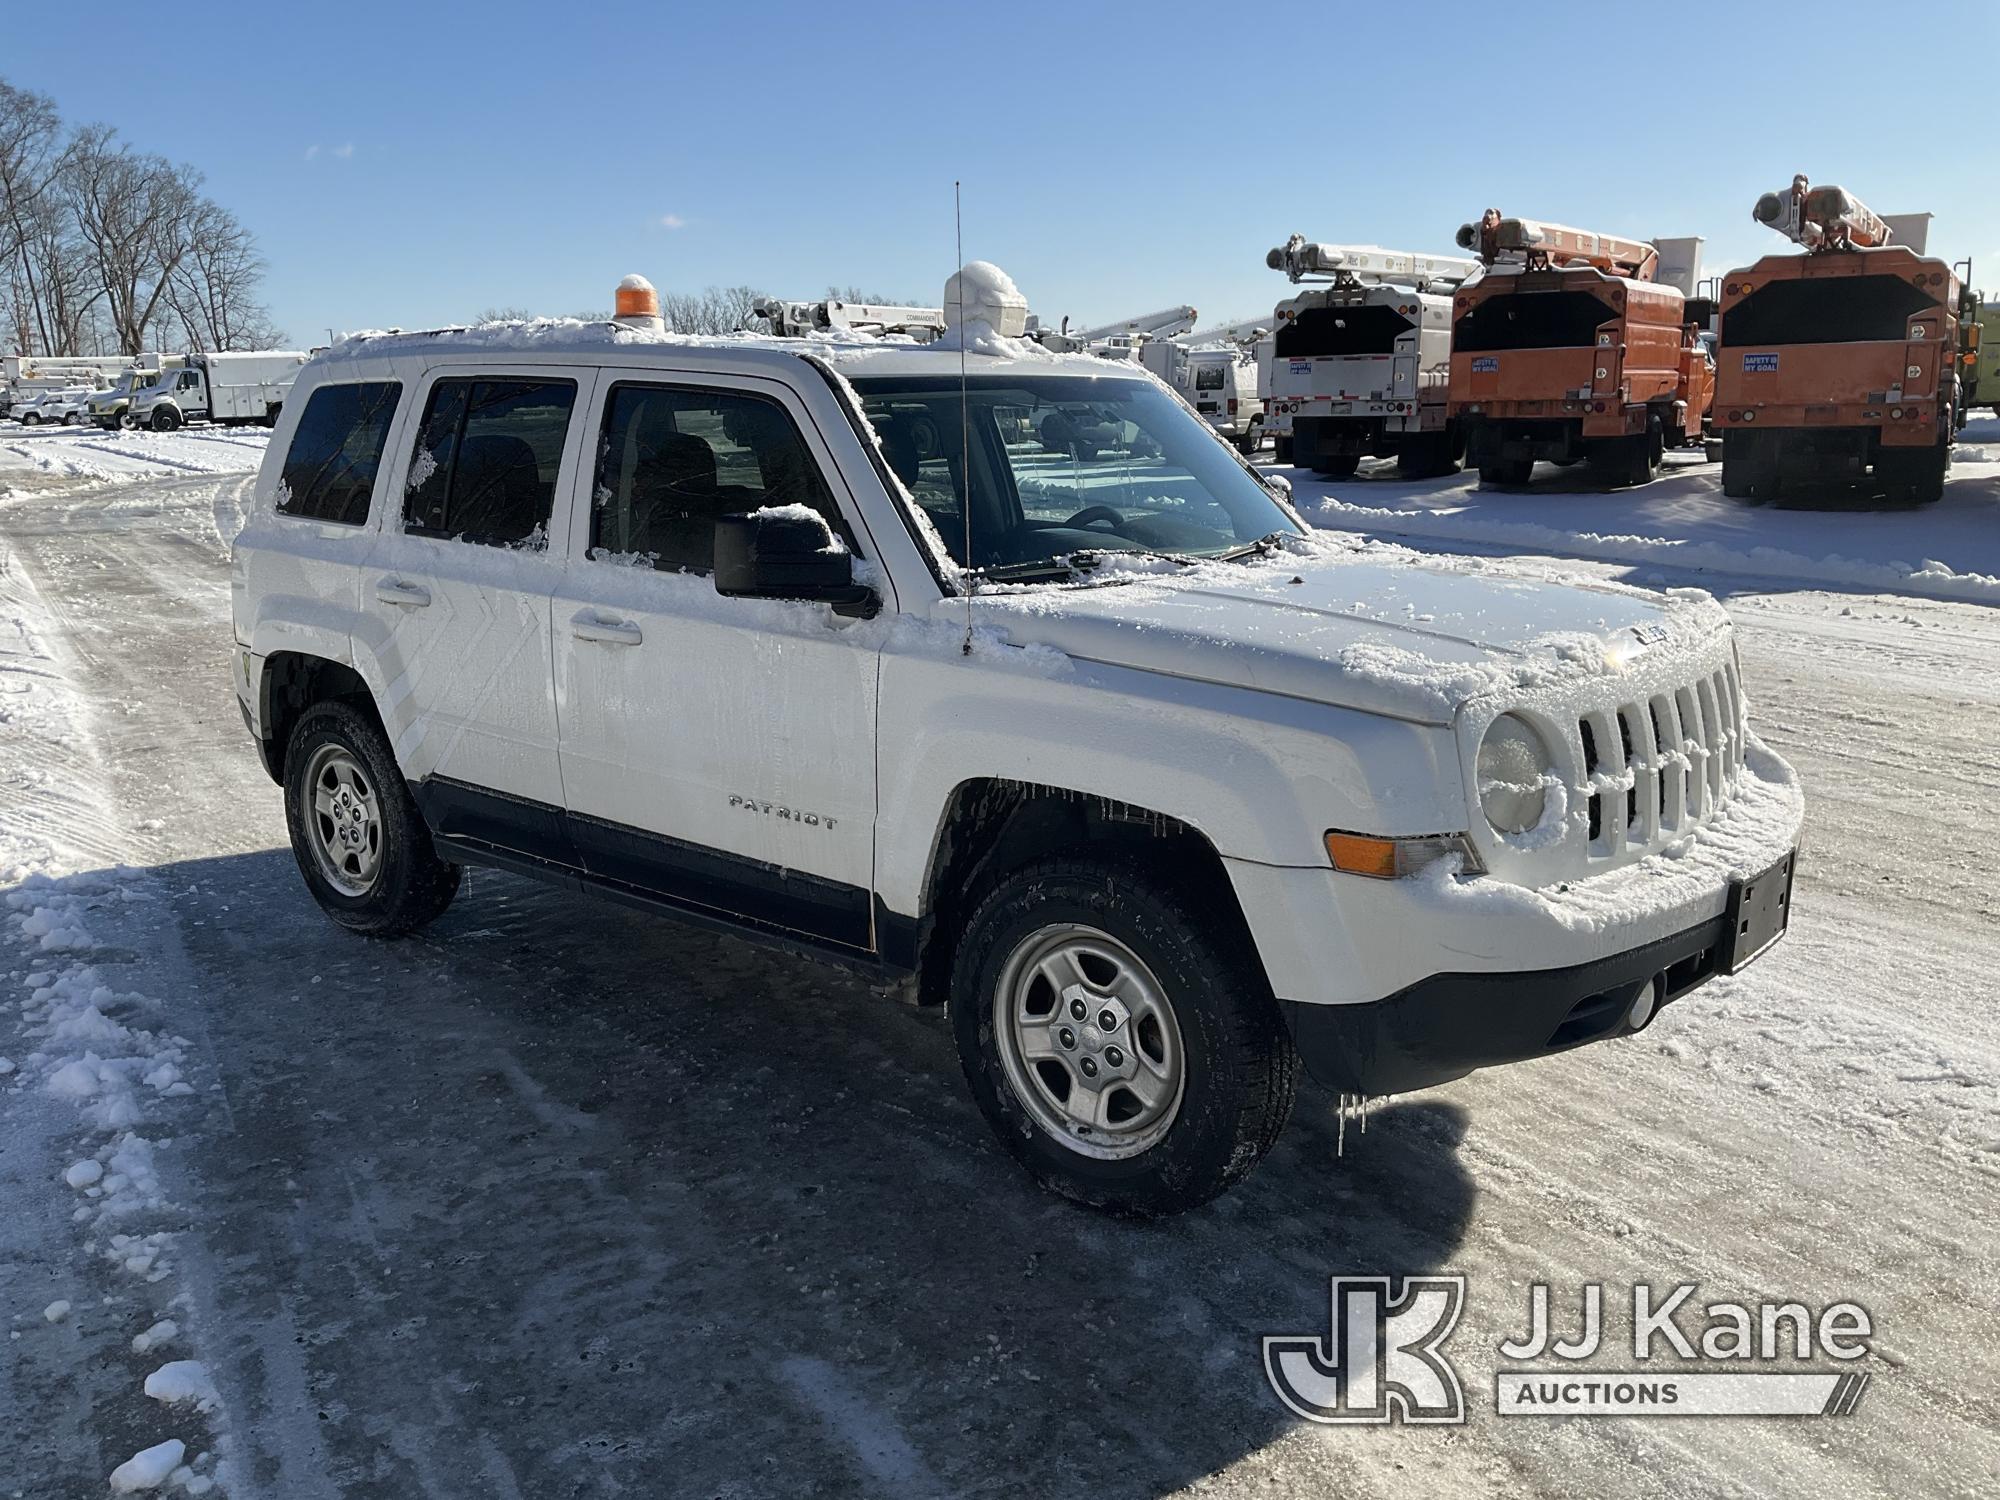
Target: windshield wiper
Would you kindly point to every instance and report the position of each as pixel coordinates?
(1072, 565)
(1261, 546)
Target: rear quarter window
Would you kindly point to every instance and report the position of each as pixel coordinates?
(336, 451)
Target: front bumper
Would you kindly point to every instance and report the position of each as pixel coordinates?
(1444, 1027)
(1392, 985)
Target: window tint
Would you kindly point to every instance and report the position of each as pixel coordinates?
(673, 459)
(486, 460)
(1208, 377)
(330, 468)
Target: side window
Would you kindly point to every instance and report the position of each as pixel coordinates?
(189, 380)
(671, 460)
(330, 468)
(486, 460)
(1208, 377)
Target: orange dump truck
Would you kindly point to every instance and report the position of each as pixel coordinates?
(1840, 364)
(1568, 347)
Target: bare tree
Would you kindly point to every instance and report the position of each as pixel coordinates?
(212, 291)
(134, 214)
(31, 158)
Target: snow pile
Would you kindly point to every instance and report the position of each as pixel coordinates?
(149, 1468)
(183, 1381)
(93, 456)
(78, 1039)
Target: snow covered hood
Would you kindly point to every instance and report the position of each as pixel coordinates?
(1357, 624)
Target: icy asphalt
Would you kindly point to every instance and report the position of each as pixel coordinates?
(559, 1200)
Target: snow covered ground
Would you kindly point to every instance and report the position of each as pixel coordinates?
(32, 455)
(559, 1199)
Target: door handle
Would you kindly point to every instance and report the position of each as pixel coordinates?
(586, 626)
(395, 591)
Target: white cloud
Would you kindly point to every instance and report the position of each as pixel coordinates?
(344, 151)
(672, 221)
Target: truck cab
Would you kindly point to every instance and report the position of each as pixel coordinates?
(996, 676)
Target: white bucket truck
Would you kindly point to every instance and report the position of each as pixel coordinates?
(231, 389)
(1359, 367)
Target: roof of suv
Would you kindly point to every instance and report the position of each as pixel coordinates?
(569, 341)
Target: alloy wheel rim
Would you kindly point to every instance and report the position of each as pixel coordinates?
(1089, 1041)
(343, 821)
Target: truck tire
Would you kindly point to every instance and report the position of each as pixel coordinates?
(1623, 461)
(1512, 473)
(356, 833)
(1281, 449)
(1427, 456)
(1337, 465)
(1152, 1071)
(165, 419)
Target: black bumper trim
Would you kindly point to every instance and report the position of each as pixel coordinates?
(1446, 1026)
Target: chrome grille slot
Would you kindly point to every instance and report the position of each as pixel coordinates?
(1658, 767)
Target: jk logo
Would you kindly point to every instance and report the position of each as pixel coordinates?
(1379, 1360)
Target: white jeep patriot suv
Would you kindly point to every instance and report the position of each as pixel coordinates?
(997, 676)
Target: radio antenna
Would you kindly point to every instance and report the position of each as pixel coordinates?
(964, 415)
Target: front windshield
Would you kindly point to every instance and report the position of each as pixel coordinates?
(1063, 464)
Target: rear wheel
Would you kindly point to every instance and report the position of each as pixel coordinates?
(1508, 471)
(1337, 465)
(1281, 449)
(356, 833)
(1120, 1040)
(1623, 461)
(1427, 456)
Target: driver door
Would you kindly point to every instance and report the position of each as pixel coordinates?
(717, 754)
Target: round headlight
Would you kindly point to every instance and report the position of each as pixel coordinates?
(1513, 760)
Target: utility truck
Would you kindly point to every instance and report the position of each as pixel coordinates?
(1842, 363)
(831, 316)
(1061, 717)
(1218, 372)
(1120, 340)
(1359, 366)
(1568, 346)
(228, 389)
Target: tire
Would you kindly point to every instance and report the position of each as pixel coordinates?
(69, 419)
(1623, 461)
(1337, 465)
(165, 419)
(387, 881)
(1175, 979)
(271, 415)
(31, 420)
(1510, 472)
(1427, 456)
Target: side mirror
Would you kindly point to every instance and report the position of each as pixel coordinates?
(1282, 483)
(788, 552)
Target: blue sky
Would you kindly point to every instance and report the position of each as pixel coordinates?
(411, 164)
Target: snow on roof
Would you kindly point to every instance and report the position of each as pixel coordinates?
(571, 339)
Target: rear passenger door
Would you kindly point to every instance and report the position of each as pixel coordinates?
(458, 596)
(719, 753)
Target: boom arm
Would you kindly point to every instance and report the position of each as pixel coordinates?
(1822, 218)
(1541, 244)
(1301, 260)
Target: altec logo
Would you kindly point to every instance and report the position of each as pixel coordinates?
(1381, 1357)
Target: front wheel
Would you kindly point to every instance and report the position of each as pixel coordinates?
(1120, 1040)
(166, 419)
(356, 833)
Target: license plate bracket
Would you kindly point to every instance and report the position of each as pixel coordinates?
(1760, 911)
